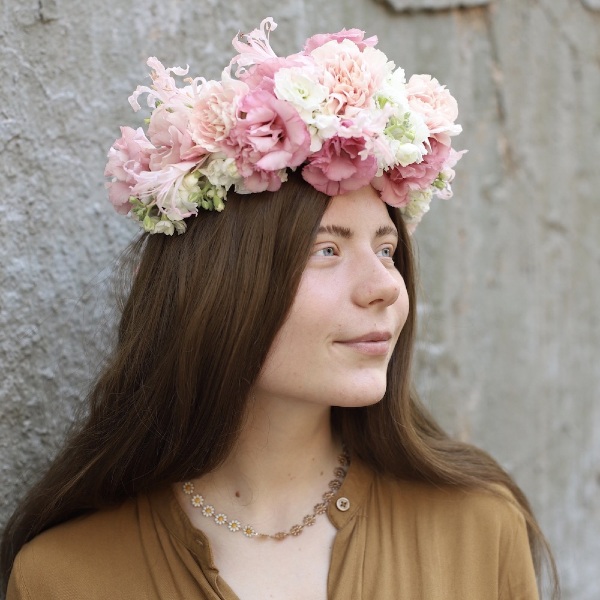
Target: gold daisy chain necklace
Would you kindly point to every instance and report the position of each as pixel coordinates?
(209, 511)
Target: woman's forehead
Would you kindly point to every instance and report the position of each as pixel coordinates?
(362, 208)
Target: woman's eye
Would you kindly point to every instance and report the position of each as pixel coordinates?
(327, 251)
(386, 252)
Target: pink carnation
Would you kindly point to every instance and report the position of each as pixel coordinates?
(260, 180)
(354, 35)
(269, 135)
(168, 131)
(127, 158)
(352, 76)
(437, 106)
(339, 167)
(214, 113)
(262, 76)
(396, 184)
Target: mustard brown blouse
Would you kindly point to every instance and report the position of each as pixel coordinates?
(396, 540)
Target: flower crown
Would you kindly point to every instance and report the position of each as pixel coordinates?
(338, 110)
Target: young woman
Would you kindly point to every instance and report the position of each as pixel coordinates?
(254, 434)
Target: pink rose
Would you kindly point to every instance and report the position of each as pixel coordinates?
(396, 184)
(354, 35)
(269, 135)
(338, 166)
(435, 103)
(127, 158)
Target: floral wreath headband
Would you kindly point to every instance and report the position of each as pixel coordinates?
(339, 110)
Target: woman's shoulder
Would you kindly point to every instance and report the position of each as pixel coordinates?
(412, 509)
(416, 500)
(70, 557)
(436, 541)
(485, 513)
(91, 530)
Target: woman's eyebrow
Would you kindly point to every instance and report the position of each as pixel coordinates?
(386, 230)
(346, 233)
(342, 232)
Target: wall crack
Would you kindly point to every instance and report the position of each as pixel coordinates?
(497, 74)
(554, 22)
(432, 5)
(47, 11)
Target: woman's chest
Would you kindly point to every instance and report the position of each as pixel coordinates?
(292, 569)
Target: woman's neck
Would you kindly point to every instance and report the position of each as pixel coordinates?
(281, 464)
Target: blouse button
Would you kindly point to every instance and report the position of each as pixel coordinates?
(343, 504)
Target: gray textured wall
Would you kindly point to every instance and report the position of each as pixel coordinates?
(510, 327)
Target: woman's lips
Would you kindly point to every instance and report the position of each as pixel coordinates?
(371, 344)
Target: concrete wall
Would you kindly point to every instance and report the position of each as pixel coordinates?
(510, 327)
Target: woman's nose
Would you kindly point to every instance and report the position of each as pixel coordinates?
(376, 283)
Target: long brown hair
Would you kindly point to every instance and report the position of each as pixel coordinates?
(202, 311)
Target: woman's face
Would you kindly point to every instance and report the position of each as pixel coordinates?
(336, 343)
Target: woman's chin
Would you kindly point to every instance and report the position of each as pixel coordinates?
(361, 395)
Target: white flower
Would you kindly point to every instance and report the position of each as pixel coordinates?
(300, 87)
(249, 531)
(183, 204)
(180, 226)
(322, 128)
(161, 226)
(419, 204)
(406, 154)
(188, 188)
(419, 128)
(234, 525)
(368, 124)
(393, 90)
(221, 172)
(405, 135)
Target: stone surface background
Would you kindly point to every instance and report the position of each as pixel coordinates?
(510, 326)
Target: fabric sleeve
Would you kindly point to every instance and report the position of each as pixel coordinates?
(17, 590)
(517, 574)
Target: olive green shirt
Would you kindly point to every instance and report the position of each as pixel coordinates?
(397, 540)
